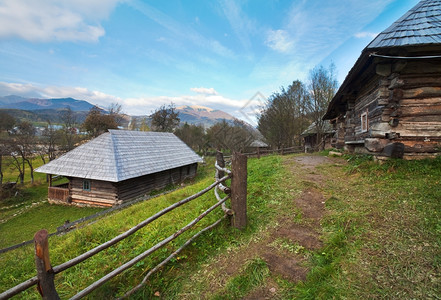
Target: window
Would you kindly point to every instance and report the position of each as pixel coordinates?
(86, 185)
(364, 122)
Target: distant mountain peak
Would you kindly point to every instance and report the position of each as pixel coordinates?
(195, 107)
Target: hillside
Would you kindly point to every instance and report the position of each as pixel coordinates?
(41, 110)
(32, 104)
(319, 228)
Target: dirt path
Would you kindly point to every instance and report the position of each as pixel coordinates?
(305, 234)
(284, 246)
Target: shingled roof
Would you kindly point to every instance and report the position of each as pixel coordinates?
(419, 27)
(121, 154)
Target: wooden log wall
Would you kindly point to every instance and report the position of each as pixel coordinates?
(142, 185)
(403, 107)
(103, 193)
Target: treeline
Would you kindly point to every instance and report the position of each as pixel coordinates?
(21, 142)
(288, 113)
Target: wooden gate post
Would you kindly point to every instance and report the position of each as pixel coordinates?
(45, 274)
(239, 190)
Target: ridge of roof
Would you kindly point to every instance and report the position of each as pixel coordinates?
(115, 158)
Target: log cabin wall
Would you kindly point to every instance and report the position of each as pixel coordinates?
(416, 116)
(102, 193)
(105, 193)
(139, 186)
(403, 107)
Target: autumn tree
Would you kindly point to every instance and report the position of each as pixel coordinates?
(97, 123)
(165, 119)
(322, 87)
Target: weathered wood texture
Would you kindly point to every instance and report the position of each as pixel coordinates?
(403, 107)
(105, 193)
(139, 186)
(239, 190)
(45, 274)
(58, 194)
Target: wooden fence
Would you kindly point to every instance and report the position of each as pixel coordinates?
(237, 192)
(262, 152)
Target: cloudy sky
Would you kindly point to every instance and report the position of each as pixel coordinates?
(144, 53)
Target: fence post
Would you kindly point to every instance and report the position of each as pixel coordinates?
(221, 163)
(239, 190)
(45, 274)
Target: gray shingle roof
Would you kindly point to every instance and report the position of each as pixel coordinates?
(121, 154)
(419, 26)
(258, 143)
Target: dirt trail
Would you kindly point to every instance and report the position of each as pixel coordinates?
(289, 263)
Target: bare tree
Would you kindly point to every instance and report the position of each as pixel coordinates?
(234, 137)
(322, 87)
(22, 146)
(115, 110)
(283, 118)
(192, 135)
(165, 119)
(7, 122)
(69, 121)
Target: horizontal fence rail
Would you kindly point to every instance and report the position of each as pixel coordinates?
(45, 273)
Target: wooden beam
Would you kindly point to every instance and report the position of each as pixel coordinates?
(45, 274)
(239, 190)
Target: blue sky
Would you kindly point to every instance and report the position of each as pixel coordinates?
(143, 54)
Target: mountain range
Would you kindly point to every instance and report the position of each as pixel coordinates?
(41, 110)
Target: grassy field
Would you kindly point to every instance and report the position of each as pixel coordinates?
(380, 233)
(28, 211)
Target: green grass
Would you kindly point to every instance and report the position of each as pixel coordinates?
(171, 280)
(27, 211)
(381, 238)
(253, 275)
(383, 234)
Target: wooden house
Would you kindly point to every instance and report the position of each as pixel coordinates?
(389, 104)
(310, 137)
(120, 165)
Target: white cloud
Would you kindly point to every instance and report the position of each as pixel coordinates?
(365, 34)
(133, 105)
(48, 20)
(279, 40)
(80, 93)
(204, 91)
